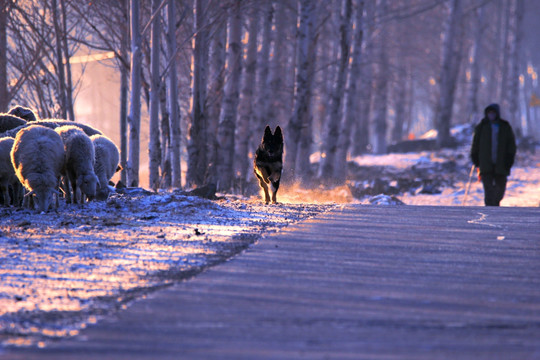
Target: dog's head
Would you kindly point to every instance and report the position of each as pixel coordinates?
(272, 143)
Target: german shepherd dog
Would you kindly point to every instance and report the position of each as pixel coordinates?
(268, 162)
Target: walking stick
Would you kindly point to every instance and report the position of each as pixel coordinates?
(468, 186)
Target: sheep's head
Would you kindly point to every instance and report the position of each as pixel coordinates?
(102, 193)
(43, 198)
(88, 184)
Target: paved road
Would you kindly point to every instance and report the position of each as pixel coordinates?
(361, 282)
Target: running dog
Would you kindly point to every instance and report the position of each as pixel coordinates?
(268, 162)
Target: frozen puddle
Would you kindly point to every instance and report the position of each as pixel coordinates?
(61, 271)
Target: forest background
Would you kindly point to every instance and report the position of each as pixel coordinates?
(185, 87)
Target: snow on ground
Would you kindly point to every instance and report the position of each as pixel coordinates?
(523, 187)
(60, 271)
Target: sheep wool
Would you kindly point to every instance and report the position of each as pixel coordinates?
(79, 166)
(7, 172)
(106, 164)
(38, 158)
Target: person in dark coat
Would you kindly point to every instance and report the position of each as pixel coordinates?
(493, 151)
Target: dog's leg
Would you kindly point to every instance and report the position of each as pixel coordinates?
(264, 185)
(265, 188)
(274, 186)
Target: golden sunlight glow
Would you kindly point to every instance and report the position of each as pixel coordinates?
(296, 194)
(91, 57)
(432, 81)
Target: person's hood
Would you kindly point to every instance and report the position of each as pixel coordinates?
(493, 107)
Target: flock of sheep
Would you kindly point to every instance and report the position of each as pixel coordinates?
(43, 158)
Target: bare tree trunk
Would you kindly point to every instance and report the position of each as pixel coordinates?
(473, 110)
(264, 94)
(165, 166)
(197, 160)
(4, 92)
(135, 104)
(410, 101)
(227, 118)
(303, 169)
(400, 98)
(335, 114)
(246, 113)
(448, 75)
(350, 113)
(217, 71)
(59, 61)
(502, 89)
(124, 88)
(381, 95)
(514, 63)
(303, 86)
(278, 65)
(69, 82)
(360, 133)
(154, 147)
(174, 120)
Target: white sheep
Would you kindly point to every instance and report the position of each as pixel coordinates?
(54, 123)
(50, 123)
(107, 158)
(79, 166)
(9, 122)
(7, 173)
(38, 158)
(23, 112)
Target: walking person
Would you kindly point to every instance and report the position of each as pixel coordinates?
(493, 151)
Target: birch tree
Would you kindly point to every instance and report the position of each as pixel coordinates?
(448, 75)
(503, 54)
(124, 89)
(154, 143)
(473, 109)
(334, 116)
(303, 168)
(515, 40)
(135, 103)
(4, 92)
(215, 95)
(174, 116)
(278, 65)
(400, 98)
(66, 53)
(197, 159)
(245, 111)
(264, 94)
(361, 127)
(62, 95)
(350, 112)
(381, 90)
(302, 89)
(227, 117)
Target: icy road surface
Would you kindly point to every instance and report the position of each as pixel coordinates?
(61, 271)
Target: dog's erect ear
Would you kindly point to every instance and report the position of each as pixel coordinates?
(278, 135)
(267, 133)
